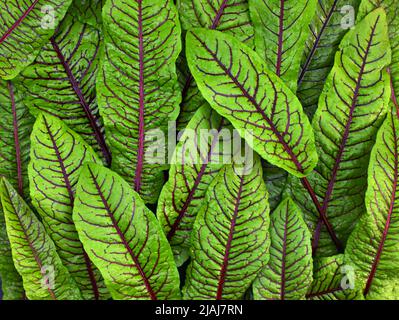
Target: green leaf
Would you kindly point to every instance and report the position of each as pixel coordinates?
(288, 273)
(62, 80)
(15, 127)
(138, 88)
(327, 30)
(88, 11)
(228, 16)
(195, 164)
(332, 280)
(57, 156)
(35, 256)
(281, 30)
(373, 247)
(230, 239)
(26, 26)
(276, 182)
(237, 84)
(123, 238)
(352, 107)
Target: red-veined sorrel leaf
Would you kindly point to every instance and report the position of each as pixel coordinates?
(281, 30)
(15, 127)
(230, 238)
(57, 156)
(88, 11)
(62, 80)
(332, 280)
(238, 85)
(229, 16)
(276, 182)
(123, 238)
(327, 29)
(351, 109)
(373, 247)
(34, 254)
(26, 26)
(288, 274)
(195, 164)
(138, 88)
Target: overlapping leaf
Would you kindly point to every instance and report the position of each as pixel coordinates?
(238, 86)
(288, 273)
(138, 88)
(373, 248)
(228, 16)
(333, 280)
(25, 27)
(276, 182)
(281, 30)
(57, 156)
(332, 20)
(230, 238)
(123, 238)
(196, 162)
(62, 80)
(351, 109)
(15, 127)
(35, 256)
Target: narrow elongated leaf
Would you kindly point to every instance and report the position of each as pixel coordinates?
(34, 253)
(333, 280)
(15, 127)
(238, 86)
(228, 16)
(138, 88)
(332, 20)
(281, 30)
(230, 238)
(57, 156)
(351, 109)
(373, 247)
(26, 26)
(62, 80)
(288, 273)
(196, 163)
(123, 238)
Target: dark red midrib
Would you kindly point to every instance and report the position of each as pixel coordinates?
(123, 239)
(294, 159)
(316, 43)
(34, 251)
(197, 181)
(282, 288)
(16, 139)
(377, 259)
(140, 151)
(280, 39)
(341, 150)
(393, 95)
(88, 112)
(223, 270)
(18, 22)
(71, 201)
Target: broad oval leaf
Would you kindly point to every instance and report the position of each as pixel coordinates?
(237, 84)
(288, 274)
(138, 88)
(351, 109)
(61, 81)
(281, 30)
(332, 20)
(230, 238)
(15, 127)
(195, 164)
(333, 280)
(57, 156)
(34, 254)
(123, 238)
(26, 26)
(373, 247)
(228, 16)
